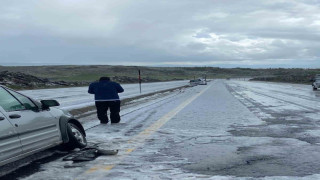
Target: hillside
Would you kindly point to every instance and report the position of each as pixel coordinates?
(83, 75)
(93, 72)
(18, 80)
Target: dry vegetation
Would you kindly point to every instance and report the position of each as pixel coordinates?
(83, 75)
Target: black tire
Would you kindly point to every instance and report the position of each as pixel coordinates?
(77, 138)
(314, 88)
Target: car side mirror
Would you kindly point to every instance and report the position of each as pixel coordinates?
(46, 104)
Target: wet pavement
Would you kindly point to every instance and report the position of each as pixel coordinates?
(225, 130)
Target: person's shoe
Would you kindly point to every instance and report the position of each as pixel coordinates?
(103, 122)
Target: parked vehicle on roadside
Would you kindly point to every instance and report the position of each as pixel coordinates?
(194, 82)
(28, 126)
(316, 82)
(202, 82)
(198, 82)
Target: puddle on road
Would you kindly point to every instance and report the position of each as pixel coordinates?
(248, 157)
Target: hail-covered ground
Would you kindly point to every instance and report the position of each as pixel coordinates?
(74, 98)
(225, 130)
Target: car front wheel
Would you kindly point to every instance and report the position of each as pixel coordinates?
(77, 138)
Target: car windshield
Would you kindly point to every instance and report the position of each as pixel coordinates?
(8, 102)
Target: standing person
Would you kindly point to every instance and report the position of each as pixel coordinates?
(106, 96)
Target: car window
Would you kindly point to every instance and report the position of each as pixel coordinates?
(28, 104)
(8, 102)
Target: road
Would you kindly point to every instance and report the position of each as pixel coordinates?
(226, 130)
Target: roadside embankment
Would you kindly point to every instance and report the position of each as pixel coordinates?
(87, 111)
(298, 79)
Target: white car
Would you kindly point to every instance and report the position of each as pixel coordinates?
(198, 82)
(316, 82)
(194, 82)
(202, 82)
(28, 126)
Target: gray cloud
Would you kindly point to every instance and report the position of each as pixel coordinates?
(144, 32)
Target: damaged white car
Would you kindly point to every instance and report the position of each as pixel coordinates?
(28, 126)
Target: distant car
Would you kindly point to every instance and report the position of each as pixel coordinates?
(28, 126)
(198, 82)
(316, 82)
(202, 82)
(194, 82)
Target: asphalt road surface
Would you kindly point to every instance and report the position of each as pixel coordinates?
(224, 130)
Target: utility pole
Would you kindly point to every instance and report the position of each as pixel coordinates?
(139, 80)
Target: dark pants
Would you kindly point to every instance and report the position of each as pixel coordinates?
(102, 108)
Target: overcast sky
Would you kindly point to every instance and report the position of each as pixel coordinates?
(225, 33)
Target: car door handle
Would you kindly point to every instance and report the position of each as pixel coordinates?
(2, 118)
(14, 116)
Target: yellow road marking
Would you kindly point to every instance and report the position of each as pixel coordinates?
(107, 168)
(93, 169)
(130, 150)
(138, 140)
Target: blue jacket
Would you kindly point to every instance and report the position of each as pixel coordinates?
(105, 90)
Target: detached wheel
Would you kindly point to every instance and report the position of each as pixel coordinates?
(76, 138)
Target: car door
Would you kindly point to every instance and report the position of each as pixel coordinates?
(37, 128)
(10, 145)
